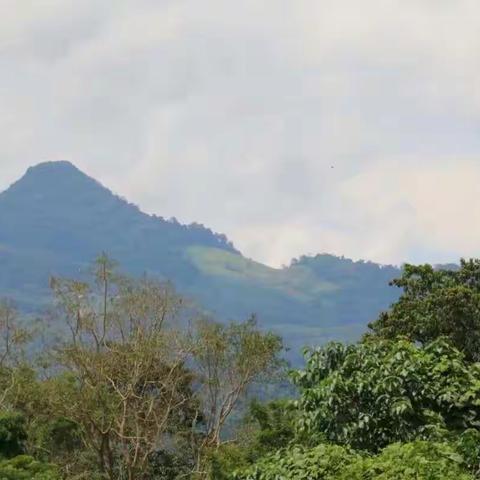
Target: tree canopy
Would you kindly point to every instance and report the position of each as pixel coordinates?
(436, 302)
(403, 403)
(141, 385)
(375, 393)
(144, 387)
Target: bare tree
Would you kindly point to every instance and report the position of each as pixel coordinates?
(129, 388)
(10, 334)
(230, 358)
(138, 381)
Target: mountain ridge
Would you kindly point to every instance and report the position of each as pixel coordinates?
(37, 186)
(56, 219)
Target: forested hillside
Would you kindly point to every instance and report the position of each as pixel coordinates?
(55, 219)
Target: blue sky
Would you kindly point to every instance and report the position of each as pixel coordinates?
(234, 113)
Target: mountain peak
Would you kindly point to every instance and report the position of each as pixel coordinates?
(58, 207)
(53, 179)
(59, 169)
(55, 165)
(56, 168)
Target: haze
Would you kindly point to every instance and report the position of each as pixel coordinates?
(292, 126)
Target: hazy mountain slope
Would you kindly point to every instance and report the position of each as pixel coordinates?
(313, 300)
(56, 219)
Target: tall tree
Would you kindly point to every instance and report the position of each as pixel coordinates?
(12, 336)
(230, 358)
(434, 303)
(127, 385)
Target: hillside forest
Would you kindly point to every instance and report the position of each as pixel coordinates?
(55, 219)
(140, 385)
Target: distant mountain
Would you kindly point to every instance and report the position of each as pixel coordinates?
(56, 219)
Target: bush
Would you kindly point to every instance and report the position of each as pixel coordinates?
(26, 468)
(265, 429)
(411, 461)
(12, 434)
(324, 462)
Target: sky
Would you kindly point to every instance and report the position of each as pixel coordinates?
(294, 126)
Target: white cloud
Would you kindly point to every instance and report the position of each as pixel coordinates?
(417, 207)
(233, 113)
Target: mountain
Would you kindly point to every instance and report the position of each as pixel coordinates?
(56, 219)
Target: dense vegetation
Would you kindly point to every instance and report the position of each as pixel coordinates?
(141, 385)
(403, 403)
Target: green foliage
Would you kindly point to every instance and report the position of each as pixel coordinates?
(135, 395)
(26, 468)
(411, 461)
(324, 462)
(168, 465)
(12, 434)
(380, 392)
(61, 435)
(267, 428)
(227, 459)
(276, 425)
(436, 303)
(468, 445)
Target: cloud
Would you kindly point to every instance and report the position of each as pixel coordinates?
(233, 113)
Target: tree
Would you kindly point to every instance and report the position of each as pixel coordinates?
(12, 336)
(379, 392)
(127, 385)
(229, 359)
(436, 303)
(137, 389)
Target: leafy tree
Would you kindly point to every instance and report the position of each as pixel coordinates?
(127, 386)
(380, 392)
(61, 434)
(436, 303)
(229, 359)
(170, 465)
(31, 423)
(468, 445)
(146, 387)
